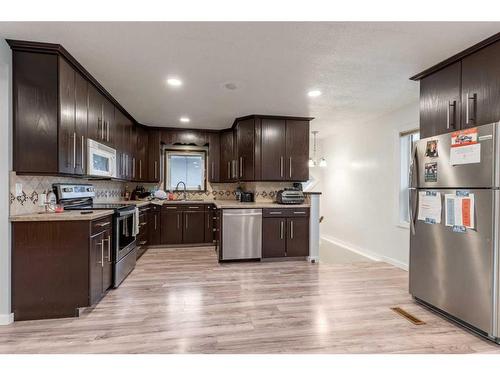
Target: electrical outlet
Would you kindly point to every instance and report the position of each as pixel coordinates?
(19, 189)
(42, 199)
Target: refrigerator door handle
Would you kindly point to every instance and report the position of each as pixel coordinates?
(413, 169)
(413, 213)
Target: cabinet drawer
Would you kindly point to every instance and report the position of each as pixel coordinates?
(285, 212)
(145, 209)
(101, 224)
(171, 207)
(194, 207)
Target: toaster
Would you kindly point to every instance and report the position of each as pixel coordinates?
(290, 196)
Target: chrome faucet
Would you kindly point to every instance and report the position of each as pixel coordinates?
(177, 188)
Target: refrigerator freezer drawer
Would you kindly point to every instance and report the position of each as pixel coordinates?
(455, 271)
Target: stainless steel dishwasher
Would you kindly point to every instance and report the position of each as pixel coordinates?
(241, 234)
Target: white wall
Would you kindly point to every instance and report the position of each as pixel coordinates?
(5, 166)
(360, 187)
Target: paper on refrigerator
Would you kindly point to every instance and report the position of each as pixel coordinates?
(459, 210)
(429, 207)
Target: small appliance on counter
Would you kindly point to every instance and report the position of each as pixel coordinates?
(139, 193)
(246, 196)
(290, 196)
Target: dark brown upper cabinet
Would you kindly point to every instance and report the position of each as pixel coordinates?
(440, 101)
(154, 151)
(213, 161)
(245, 150)
(481, 87)
(72, 120)
(463, 91)
(227, 172)
(141, 152)
(273, 149)
(297, 150)
(184, 137)
(95, 122)
(35, 97)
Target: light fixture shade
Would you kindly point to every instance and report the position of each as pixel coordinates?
(322, 162)
(312, 163)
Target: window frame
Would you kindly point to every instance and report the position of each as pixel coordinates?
(185, 151)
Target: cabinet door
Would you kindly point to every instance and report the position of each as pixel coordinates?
(96, 266)
(142, 146)
(133, 153)
(107, 267)
(95, 126)
(245, 147)
(297, 240)
(440, 101)
(209, 227)
(213, 164)
(67, 132)
(194, 227)
(35, 86)
(154, 228)
(297, 150)
(108, 120)
(273, 149)
(273, 237)
(81, 98)
(227, 155)
(481, 87)
(153, 155)
(171, 228)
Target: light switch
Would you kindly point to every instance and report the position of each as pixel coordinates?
(19, 189)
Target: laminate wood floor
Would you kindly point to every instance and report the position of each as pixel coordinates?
(183, 301)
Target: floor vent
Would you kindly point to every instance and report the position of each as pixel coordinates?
(407, 316)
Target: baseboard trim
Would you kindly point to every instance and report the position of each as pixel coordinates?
(6, 319)
(366, 253)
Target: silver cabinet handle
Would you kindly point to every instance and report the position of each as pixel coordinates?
(468, 118)
(156, 222)
(171, 208)
(178, 221)
(74, 150)
(282, 229)
(275, 212)
(281, 166)
(291, 229)
(187, 221)
(140, 168)
(108, 240)
(133, 167)
(213, 168)
(299, 212)
(99, 131)
(156, 168)
(290, 167)
(102, 253)
(103, 224)
(83, 156)
(228, 170)
(107, 129)
(194, 207)
(241, 166)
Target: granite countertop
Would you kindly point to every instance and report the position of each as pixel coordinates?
(63, 216)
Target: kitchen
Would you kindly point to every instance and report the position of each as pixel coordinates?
(257, 229)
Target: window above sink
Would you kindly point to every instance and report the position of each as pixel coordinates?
(185, 165)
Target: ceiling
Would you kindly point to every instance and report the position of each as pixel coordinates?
(362, 68)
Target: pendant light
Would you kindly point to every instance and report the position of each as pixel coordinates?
(312, 161)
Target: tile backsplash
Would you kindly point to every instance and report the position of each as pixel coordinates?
(107, 191)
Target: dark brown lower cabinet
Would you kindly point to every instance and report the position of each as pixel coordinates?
(194, 227)
(273, 237)
(143, 236)
(59, 266)
(101, 266)
(209, 224)
(285, 233)
(154, 225)
(297, 239)
(171, 227)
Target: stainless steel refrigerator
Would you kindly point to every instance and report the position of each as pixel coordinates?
(453, 269)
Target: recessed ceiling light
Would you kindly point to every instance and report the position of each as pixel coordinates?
(175, 82)
(184, 119)
(314, 93)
